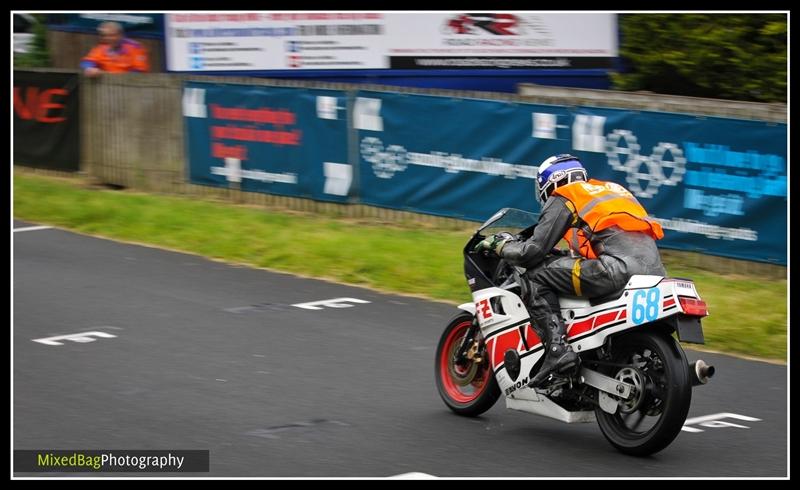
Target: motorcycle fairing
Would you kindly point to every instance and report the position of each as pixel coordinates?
(505, 322)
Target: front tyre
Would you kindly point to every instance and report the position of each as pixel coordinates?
(649, 421)
(467, 388)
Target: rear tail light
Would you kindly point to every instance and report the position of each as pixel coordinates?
(692, 306)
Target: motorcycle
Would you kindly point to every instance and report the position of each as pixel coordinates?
(633, 377)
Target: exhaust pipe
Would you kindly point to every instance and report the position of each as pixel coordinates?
(701, 372)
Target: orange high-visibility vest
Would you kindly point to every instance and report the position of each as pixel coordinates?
(601, 205)
(131, 56)
(579, 242)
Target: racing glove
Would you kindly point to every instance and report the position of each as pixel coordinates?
(494, 243)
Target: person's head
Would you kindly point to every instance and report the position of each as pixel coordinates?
(111, 33)
(556, 171)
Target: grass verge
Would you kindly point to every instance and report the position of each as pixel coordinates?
(748, 312)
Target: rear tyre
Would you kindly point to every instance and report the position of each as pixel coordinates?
(650, 420)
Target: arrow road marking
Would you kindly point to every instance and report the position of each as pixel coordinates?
(714, 421)
(82, 338)
(330, 303)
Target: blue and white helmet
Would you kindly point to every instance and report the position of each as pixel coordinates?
(556, 171)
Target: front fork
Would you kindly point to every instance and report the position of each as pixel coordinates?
(468, 350)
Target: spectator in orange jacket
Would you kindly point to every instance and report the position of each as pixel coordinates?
(115, 53)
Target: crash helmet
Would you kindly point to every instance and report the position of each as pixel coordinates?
(557, 171)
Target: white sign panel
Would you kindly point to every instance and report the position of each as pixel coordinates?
(256, 41)
(501, 40)
(274, 41)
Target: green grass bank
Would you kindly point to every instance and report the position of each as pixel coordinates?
(748, 312)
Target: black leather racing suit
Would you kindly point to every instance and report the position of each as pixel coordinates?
(620, 253)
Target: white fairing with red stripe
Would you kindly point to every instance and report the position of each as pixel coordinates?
(505, 324)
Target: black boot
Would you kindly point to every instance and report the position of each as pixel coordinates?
(560, 355)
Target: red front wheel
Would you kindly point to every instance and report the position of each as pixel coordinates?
(469, 387)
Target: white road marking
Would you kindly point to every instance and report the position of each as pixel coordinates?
(32, 228)
(413, 475)
(713, 421)
(330, 303)
(81, 338)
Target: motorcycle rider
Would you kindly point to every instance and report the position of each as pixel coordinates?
(610, 239)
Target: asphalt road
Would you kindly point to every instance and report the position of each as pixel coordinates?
(206, 355)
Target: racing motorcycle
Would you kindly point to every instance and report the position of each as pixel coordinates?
(633, 377)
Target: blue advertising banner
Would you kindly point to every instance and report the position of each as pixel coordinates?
(717, 185)
(438, 155)
(267, 139)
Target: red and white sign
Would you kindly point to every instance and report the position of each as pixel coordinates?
(254, 41)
